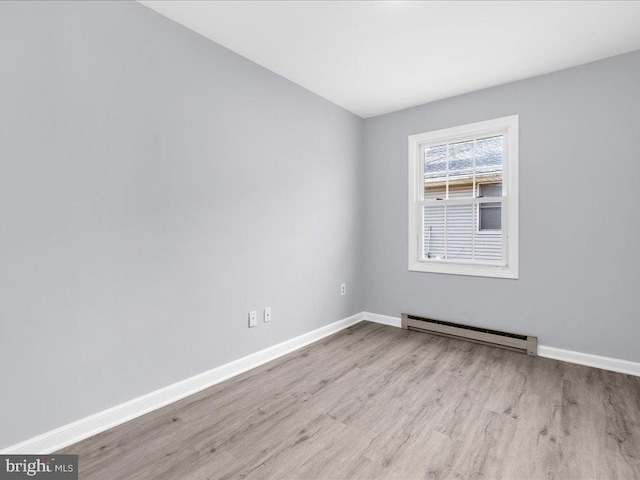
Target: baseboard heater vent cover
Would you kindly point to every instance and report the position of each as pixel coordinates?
(510, 341)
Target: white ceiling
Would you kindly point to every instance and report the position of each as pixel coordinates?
(377, 57)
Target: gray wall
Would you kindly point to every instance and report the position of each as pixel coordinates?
(154, 188)
(579, 219)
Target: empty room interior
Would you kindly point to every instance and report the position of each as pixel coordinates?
(320, 240)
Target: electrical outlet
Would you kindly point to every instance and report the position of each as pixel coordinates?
(343, 289)
(267, 314)
(253, 319)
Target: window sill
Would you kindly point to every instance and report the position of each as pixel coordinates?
(473, 270)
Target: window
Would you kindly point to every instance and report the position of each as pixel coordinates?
(463, 199)
(490, 214)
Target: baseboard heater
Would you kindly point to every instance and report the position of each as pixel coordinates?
(510, 341)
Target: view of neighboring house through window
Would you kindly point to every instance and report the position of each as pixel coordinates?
(463, 205)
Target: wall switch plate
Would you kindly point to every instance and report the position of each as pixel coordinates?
(253, 319)
(343, 289)
(267, 314)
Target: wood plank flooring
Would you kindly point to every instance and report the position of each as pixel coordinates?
(378, 402)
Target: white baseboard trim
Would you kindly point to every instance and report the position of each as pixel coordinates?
(587, 359)
(74, 432)
(383, 319)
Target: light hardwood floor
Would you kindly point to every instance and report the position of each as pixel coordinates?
(377, 402)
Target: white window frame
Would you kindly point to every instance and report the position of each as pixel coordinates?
(507, 126)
